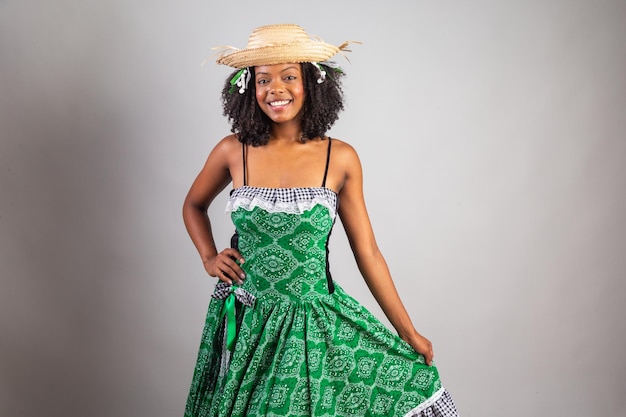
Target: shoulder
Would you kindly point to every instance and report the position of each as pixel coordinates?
(344, 153)
(228, 145)
(226, 149)
(345, 166)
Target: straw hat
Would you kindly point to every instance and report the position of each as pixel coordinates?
(278, 44)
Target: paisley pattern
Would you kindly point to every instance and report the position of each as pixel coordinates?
(305, 347)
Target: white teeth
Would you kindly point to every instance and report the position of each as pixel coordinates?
(279, 103)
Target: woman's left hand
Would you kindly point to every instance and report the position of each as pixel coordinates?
(422, 346)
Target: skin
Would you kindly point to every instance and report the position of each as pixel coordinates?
(287, 162)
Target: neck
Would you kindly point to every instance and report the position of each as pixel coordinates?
(290, 132)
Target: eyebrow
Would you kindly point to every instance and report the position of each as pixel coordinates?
(283, 70)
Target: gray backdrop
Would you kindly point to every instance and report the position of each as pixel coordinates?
(492, 138)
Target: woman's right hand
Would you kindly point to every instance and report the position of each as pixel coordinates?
(224, 266)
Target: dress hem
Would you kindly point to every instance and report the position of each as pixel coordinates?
(427, 404)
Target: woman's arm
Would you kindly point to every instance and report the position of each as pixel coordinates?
(212, 179)
(353, 214)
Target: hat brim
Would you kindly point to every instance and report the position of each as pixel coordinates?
(278, 54)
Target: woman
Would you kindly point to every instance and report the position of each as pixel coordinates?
(281, 337)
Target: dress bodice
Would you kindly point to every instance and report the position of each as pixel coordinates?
(283, 237)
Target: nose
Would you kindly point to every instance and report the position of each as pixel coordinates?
(277, 87)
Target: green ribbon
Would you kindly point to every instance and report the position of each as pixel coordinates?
(234, 80)
(228, 311)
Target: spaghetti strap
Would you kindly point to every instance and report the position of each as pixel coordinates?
(327, 162)
(243, 156)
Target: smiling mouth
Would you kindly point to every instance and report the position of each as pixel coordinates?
(279, 103)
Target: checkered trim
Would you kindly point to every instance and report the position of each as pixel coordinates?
(439, 405)
(223, 290)
(285, 200)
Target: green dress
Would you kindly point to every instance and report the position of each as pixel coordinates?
(289, 341)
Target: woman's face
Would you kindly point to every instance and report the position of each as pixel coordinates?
(280, 91)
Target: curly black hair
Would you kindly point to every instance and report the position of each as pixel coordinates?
(322, 104)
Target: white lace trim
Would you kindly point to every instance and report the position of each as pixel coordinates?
(428, 403)
(282, 200)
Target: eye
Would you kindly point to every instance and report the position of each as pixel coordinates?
(290, 77)
(262, 81)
